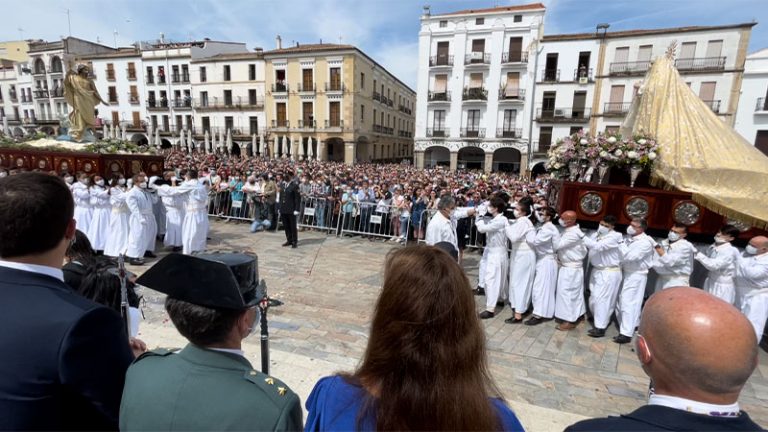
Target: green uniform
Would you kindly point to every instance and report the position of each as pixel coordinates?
(201, 389)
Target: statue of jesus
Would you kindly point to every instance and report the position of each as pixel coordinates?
(82, 96)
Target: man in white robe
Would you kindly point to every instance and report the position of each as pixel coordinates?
(495, 252)
(442, 226)
(119, 219)
(752, 269)
(569, 297)
(174, 216)
(83, 209)
(522, 263)
(720, 260)
(194, 228)
(143, 227)
(605, 279)
(98, 230)
(543, 242)
(636, 258)
(674, 260)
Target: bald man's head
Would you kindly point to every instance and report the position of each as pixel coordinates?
(696, 344)
(760, 243)
(569, 217)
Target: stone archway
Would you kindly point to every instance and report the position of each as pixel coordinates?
(471, 158)
(139, 139)
(437, 156)
(335, 148)
(164, 143)
(234, 150)
(48, 130)
(56, 64)
(538, 169)
(507, 159)
(39, 66)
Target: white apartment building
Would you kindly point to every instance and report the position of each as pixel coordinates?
(228, 93)
(588, 80)
(474, 78)
(167, 76)
(9, 96)
(752, 115)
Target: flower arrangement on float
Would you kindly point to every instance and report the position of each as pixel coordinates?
(578, 156)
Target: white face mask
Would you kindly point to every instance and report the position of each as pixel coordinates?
(3, 174)
(631, 230)
(673, 236)
(518, 214)
(750, 250)
(562, 223)
(121, 182)
(720, 240)
(100, 182)
(143, 185)
(69, 180)
(84, 181)
(602, 230)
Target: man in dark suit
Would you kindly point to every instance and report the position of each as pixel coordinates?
(64, 357)
(699, 352)
(290, 203)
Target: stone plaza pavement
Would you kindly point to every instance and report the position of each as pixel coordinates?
(329, 285)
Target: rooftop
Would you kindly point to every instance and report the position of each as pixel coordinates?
(298, 48)
(517, 8)
(643, 32)
(231, 56)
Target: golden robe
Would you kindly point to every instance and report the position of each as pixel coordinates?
(82, 96)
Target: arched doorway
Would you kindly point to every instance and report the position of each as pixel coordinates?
(48, 130)
(164, 143)
(335, 149)
(471, 158)
(436, 156)
(139, 139)
(538, 169)
(235, 150)
(56, 64)
(364, 150)
(506, 159)
(39, 66)
(18, 132)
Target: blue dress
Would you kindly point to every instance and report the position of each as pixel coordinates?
(334, 404)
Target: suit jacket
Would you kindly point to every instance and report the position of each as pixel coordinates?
(64, 357)
(201, 389)
(661, 418)
(290, 198)
(270, 192)
(73, 275)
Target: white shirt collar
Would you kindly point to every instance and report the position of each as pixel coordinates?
(696, 407)
(34, 268)
(241, 353)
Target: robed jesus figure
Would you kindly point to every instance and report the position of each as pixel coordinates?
(82, 96)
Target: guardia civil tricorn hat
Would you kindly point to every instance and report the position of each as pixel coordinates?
(221, 280)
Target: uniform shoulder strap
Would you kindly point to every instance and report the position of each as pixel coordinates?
(275, 389)
(159, 352)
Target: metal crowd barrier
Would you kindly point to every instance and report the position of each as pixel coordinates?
(374, 220)
(465, 227)
(318, 213)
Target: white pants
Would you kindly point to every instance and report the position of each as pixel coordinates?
(603, 292)
(631, 301)
(521, 274)
(569, 297)
(118, 233)
(755, 308)
(141, 239)
(544, 284)
(494, 275)
(174, 218)
(83, 216)
(98, 230)
(724, 290)
(194, 231)
(481, 270)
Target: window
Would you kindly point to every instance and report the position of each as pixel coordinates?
(203, 74)
(517, 18)
(228, 97)
(548, 104)
(574, 129)
(161, 75)
(252, 97)
(579, 104)
(438, 122)
(131, 71)
(714, 49)
(374, 116)
(178, 125)
(188, 120)
(134, 94)
(175, 77)
(479, 21)
(610, 130)
(280, 85)
(761, 141)
(110, 72)
(545, 138)
(112, 94)
(335, 79)
(478, 45)
(206, 124)
(252, 72)
(185, 73)
(229, 123)
(227, 73)
(254, 125)
(203, 98)
(362, 113)
(476, 80)
(307, 81)
(362, 80)
(335, 114)
(473, 120)
(307, 113)
(281, 117)
(510, 118)
(443, 23)
(115, 118)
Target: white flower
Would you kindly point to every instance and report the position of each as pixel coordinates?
(611, 140)
(584, 141)
(652, 155)
(642, 141)
(603, 154)
(632, 154)
(558, 165)
(618, 152)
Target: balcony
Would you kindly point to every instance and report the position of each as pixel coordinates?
(182, 103)
(514, 57)
(41, 94)
(57, 92)
(509, 133)
(376, 96)
(112, 99)
(175, 78)
(387, 101)
(38, 72)
(306, 88)
(185, 78)
(583, 75)
(615, 109)
(562, 115)
(334, 124)
(161, 79)
(280, 88)
(405, 110)
(511, 94)
(700, 64)
(150, 79)
(55, 70)
(441, 60)
(131, 74)
(216, 103)
(405, 134)
(629, 68)
(281, 125)
(377, 128)
(307, 124)
(540, 149)
(13, 96)
(475, 94)
(473, 132)
(133, 99)
(157, 105)
(550, 75)
(714, 105)
(477, 58)
(761, 106)
(334, 87)
(111, 75)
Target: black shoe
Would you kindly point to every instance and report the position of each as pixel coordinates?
(149, 254)
(286, 244)
(486, 314)
(534, 320)
(294, 246)
(621, 339)
(135, 261)
(513, 320)
(479, 291)
(596, 333)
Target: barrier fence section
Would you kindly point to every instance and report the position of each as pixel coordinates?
(318, 213)
(466, 231)
(374, 220)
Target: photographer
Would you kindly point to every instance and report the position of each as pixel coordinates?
(209, 385)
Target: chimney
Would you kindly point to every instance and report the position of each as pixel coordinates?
(259, 50)
(162, 37)
(279, 42)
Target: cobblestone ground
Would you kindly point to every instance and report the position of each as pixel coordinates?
(329, 286)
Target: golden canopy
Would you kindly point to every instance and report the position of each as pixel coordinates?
(699, 153)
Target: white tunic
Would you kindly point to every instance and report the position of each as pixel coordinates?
(751, 274)
(98, 230)
(442, 229)
(605, 279)
(636, 258)
(83, 209)
(755, 308)
(676, 266)
(194, 229)
(143, 227)
(543, 243)
(495, 253)
(522, 264)
(117, 242)
(569, 298)
(721, 262)
(174, 216)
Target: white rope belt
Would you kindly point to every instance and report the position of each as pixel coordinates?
(571, 264)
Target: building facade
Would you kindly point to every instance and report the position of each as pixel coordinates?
(587, 81)
(752, 115)
(474, 80)
(333, 102)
